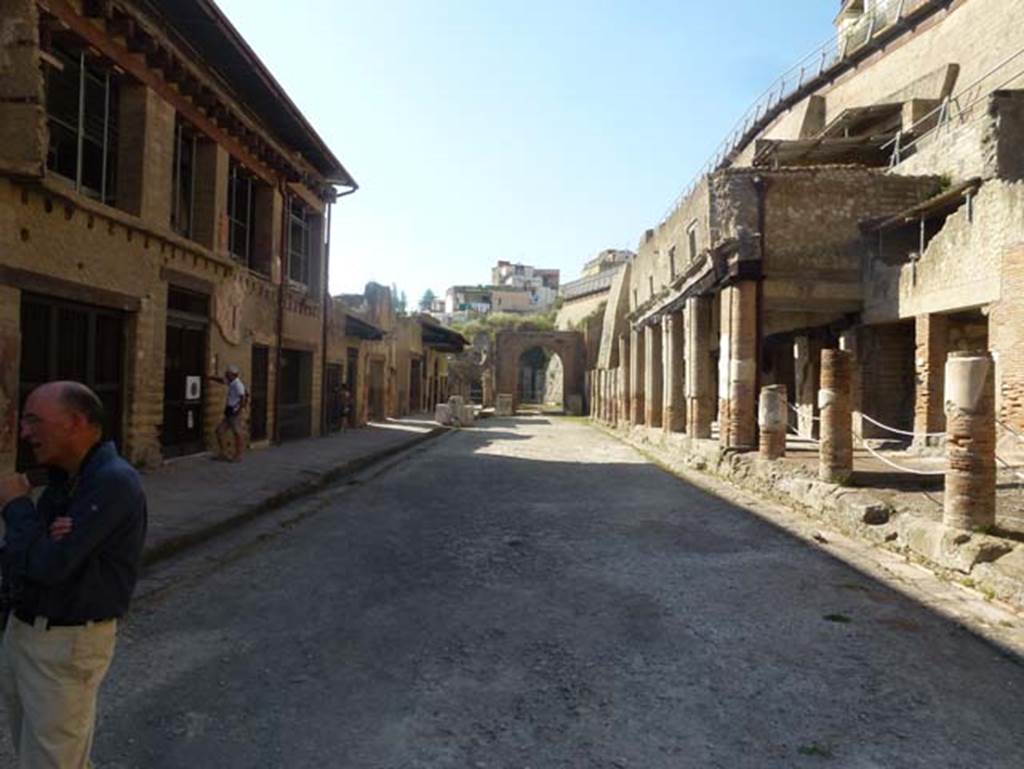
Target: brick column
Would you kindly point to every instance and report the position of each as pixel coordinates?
(850, 341)
(806, 376)
(211, 196)
(614, 396)
(738, 366)
(673, 343)
(609, 395)
(654, 376)
(145, 154)
(772, 418)
(22, 115)
(636, 378)
(835, 458)
(970, 498)
(624, 378)
(699, 376)
(931, 342)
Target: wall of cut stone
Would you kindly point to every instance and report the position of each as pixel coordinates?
(977, 35)
(574, 311)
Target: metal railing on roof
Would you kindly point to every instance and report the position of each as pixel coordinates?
(882, 16)
(956, 109)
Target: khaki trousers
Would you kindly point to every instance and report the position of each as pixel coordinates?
(49, 680)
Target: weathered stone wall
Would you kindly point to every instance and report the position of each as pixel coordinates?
(813, 241)
(575, 311)
(22, 117)
(961, 266)
(653, 264)
(977, 35)
(614, 325)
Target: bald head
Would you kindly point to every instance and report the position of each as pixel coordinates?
(61, 421)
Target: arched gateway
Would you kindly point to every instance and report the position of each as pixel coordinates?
(568, 345)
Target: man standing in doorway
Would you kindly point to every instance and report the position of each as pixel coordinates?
(236, 401)
(70, 565)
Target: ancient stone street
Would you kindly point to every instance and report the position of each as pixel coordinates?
(533, 593)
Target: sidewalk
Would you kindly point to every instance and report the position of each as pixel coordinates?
(895, 510)
(195, 498)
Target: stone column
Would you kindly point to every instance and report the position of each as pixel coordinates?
(835, 458)
(609, 395)
(970, 499)
(932, 341)
(738, 366)
(806, 376)
(849, 341)
(624, 378)
(487, 384)
(654, 376)
(772, 418)
(614, 395)
(636, 379)
(674, 412)
(699, 377)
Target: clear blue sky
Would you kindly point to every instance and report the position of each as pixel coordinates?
(536, 131)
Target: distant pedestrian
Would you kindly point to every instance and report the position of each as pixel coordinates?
(346, 406)
(236, 400)
(70, 563)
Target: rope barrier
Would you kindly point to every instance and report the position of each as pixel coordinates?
(894, 465)
(875, 422)
(897, 431)
(1010, 430)
(1011, 468)
(799, 413)
(795, 434)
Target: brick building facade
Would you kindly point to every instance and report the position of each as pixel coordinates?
(872, 202)
(164, 210)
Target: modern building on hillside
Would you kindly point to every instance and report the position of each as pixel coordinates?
(542, 285)
(584, 297)
(871, 200)
(164, 210)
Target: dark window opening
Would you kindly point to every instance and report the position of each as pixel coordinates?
(672, 261)
(691, 235)
(183, 180)
(300, 243)
(241, 221)
(81, 111)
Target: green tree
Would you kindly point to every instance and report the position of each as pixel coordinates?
(427, 299)
(398, 300)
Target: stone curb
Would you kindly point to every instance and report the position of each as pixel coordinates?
(174, 545)
(992, 565)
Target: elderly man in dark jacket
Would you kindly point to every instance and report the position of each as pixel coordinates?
(71, 560)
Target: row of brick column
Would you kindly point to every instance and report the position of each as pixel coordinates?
(968, 384)
(665, 378)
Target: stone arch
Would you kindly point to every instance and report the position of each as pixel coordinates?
(567, 345)
(540, 377)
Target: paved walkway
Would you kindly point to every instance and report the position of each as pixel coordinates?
(531, 593)
(193, 498)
